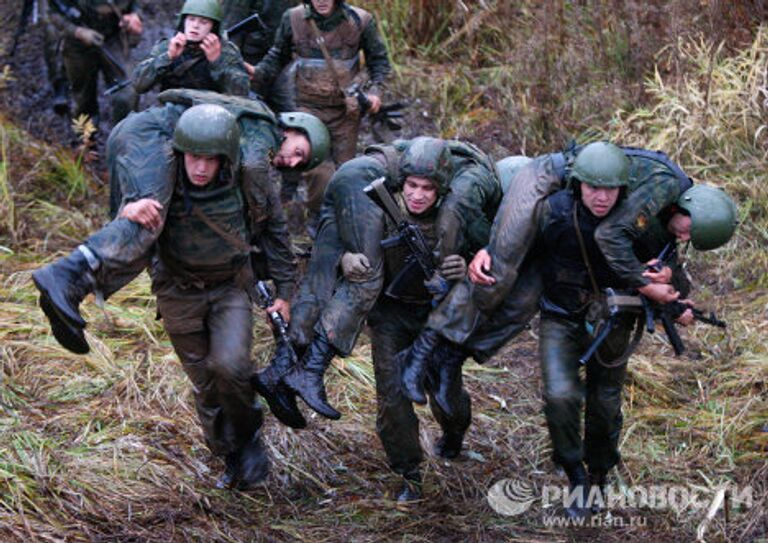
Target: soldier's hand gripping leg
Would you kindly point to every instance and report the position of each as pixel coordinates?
(306, 378)
(281, 399)
(414, 362)
(63, 285)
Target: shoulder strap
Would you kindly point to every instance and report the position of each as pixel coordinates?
(583, 249)
(230, 238)
(320, 41)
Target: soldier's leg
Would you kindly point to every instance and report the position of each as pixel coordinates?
(559, 348)
(56, 74)
(125, 100)
(396, 421)
(455, 421)
(82, 66)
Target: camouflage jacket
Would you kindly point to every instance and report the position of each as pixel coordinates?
(285, 47)
(100, 15)
(254, 45)
(191, 70)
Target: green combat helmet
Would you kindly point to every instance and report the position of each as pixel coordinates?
(210, 9)
(208, 130)
(601, 164)
(713, 216)
(430, 158)
(316, 132)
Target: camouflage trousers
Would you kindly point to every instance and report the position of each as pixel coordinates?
(83, 65)
(211, 332)
(349, 221)
(561, 344)
(394, 326)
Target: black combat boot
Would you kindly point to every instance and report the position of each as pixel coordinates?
(449, 359)
(411, 489)
(61, 97)
(63, 285)
(578, 486)
(227, 478)
(414, 362)
(598, 479)
(306, 378)
(281, 399)
(449, 445)
(253, 463)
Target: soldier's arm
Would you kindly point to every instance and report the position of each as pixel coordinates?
(278, 56)
(61, 25)
(228, 71)
(276, 244)
(617, 234)
(152, 68)
(376, 58)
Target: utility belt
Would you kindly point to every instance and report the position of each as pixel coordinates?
(239, 273)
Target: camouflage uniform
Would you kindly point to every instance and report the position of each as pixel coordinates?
(57, 75)
(346, 32)
(191, 70)
(124, 248)
(83, 63)
(484, 318)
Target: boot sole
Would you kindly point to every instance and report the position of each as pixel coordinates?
(282, 404)
(68, 336)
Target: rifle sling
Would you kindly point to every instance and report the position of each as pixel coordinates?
(326, 55)
(230, 238)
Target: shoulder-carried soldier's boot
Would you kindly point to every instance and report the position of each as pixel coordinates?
(63, 285)
(449, 359)
(411, 490)
(578, 487)
(414, 362)
(307, 378)
(281, 399)
(61, 97)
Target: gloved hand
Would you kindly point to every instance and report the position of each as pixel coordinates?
(355, 267)
(453, 268)
(89, 36)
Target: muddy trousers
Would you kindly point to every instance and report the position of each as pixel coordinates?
(211, 332)
(394, 326)
(83, 65)
(561, 344)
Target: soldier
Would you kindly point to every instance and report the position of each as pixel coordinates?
(440, 186)
(97, 37)
(197, 57)
(57, 76)
(501, 295)
(314, 34)
(117, 253)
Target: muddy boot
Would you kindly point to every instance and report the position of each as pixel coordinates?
(63, 285)
(281, 399)
(307, 378)
(578, 487)
(414, 362)
(253, 463)
(449, 359)
(60, 97)
(449, 445)
(227, 479)
(598, 479)
(411, 490)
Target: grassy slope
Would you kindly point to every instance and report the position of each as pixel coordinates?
(106, 447)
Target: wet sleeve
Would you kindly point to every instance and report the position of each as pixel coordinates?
(376, 57)
(150, 70)
(617, 234)
(278, 56)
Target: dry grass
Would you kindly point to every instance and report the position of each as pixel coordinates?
(106, 447)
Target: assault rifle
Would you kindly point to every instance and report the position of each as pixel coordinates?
(420, 260)
(667, 313)
(265, 300)
(387, 113)
(28, 11)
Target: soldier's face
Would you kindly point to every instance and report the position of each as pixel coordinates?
(293, 152)
(680, 227)
(196, 28)
(599, 200)
(201, 169)
(323, 7)
(420, 194)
